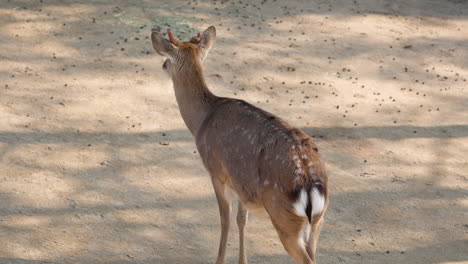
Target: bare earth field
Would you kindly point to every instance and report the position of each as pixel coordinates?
(97, 166)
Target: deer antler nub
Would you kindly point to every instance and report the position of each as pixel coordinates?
(173, 39)
(196, 39)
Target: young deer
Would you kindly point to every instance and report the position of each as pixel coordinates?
(260, 157)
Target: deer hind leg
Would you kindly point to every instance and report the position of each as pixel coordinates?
(290, 231)
(317, 223)
(224, 203)
(242, 215)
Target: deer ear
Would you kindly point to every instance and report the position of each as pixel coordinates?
(208, 39)
(162, 45)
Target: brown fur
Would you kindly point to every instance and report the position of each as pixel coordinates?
(264, 160)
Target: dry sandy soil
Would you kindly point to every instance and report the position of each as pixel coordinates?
(96, 165)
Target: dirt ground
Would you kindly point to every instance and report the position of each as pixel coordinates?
(96, 165)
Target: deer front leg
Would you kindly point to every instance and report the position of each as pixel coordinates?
(224, 204)
(242, 215)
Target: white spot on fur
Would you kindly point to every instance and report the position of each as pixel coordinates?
(311, 171)
(266, 182)
(318, 201)
(304, 156)
(310, 163)
(301, 203)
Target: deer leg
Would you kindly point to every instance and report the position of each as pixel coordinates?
(289, 228)
(242, 215)
(295, 246)
(314, 236)
(224, 204)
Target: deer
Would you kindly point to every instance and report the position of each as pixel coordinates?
(248, 152)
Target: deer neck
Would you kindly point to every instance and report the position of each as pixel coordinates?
(194, 98)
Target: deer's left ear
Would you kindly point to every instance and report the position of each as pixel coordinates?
(162, 45)
(207, 40)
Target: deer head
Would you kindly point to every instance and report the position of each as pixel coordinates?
(181, 54)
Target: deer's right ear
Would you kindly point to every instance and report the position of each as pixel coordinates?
(162, 45)
(207, 40)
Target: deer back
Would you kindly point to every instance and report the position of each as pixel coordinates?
(257, 153)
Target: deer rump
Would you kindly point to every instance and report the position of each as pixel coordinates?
(262, 158)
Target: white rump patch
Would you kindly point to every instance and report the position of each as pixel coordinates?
(318, 201)
(301, 203)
